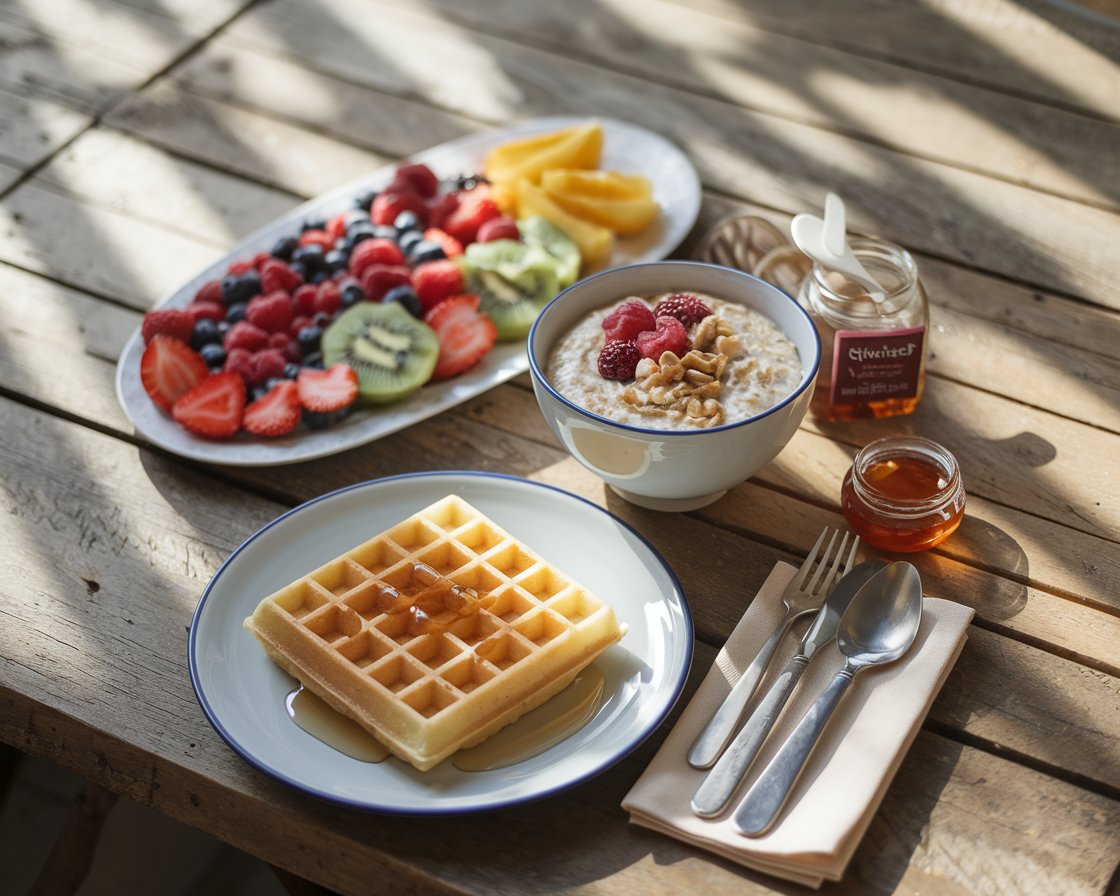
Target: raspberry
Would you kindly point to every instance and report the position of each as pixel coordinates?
(240, 267)
(174, 322)
(375, 251)
(298, 324)
(378, 279)
(627, 321)
(336, 226)
(452, 248)
(245, 335)
(421, 178)
(304, 298)
(501, 228)
(286, 344)
(434, 281)
(618, 359)
(210, 291)
(267, 363)
(316, 238)
(240, 360)
(212, 310)
(670, 336)
(276, 275)
(391, 203)
(685, 307)
(328, 299)
(272, 312)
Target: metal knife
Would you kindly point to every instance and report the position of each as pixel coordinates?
(721, 782)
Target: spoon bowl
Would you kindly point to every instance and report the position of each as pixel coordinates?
(824, 241)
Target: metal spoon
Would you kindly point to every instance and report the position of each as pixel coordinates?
(720, 783)
(878, 627)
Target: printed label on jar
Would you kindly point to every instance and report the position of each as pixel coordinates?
(876, 366)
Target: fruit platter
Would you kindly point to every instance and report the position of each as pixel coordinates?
(400, 295)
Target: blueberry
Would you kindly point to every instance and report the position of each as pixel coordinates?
(313, 224)
(258, 392)
(425, 250)
(318, 277)
(385, 232)
(314, 360)
(363, 230)
(409, 239)
(240, 288)
(213, 354)
(320, 319)
(406, 220)
(284, 247)
(352, 294)
(299, 269)
(205, 331)
(308, 339)
(406, 295)
(319, 419)
(310, 256)
(364, 200)
(354, 216)
(234, 313)
(335, 261)
(223, 328)
(291, 370)
(343, 244)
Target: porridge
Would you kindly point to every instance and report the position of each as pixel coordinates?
(713, 362)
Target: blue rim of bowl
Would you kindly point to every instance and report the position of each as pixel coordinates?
(597, 769)
(538, 374)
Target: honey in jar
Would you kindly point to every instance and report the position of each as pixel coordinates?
(903, 494)
(873, 353)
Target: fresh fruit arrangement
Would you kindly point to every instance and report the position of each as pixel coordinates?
(555, 176)
(414, 283)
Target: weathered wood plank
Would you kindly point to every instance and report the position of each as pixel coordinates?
(31, 128)
(1034, 48)
(993, 225)
(956, 123)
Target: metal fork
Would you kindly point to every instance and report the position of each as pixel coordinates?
(799, 598)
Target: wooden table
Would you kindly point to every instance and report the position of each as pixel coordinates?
(139, 140)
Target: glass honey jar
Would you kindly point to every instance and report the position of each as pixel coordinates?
(903, 494)
(873, 353)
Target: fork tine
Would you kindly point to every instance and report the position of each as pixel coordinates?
(834, 571)
(812, 589)
(799, 579)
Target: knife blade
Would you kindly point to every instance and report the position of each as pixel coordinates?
(721, 782)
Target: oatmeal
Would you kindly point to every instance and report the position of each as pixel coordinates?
(727, 366)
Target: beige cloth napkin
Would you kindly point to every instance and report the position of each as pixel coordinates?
(849, 772)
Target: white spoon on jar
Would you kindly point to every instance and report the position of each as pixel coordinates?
(825, 241)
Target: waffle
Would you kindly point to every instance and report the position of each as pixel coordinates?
(436, 633)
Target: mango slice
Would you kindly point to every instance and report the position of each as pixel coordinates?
(623, 216)
(527, 159)
(595, 242)
(597, 184)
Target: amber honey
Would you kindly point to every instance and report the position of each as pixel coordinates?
(903, 494)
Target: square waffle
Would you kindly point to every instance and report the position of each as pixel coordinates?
(436, 633)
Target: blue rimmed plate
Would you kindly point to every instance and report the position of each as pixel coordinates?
(242, 691)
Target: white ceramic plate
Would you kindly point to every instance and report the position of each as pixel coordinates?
(626, 147)
(242, 691)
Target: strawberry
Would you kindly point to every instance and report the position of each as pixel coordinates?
(421, 178)
(374, 251)
(475, 209)
(169, 369)
(391, 203)
(174, 322)
(441, 208)
(276, 275)
(275, 414)
(316, 238)
(465, 334)
(434, 281)
(214, 408)
(502, 227)
(452, 248)
(326, 391)
(272, 312)
(238, 268)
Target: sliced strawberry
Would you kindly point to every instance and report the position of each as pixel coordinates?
(465, 334)
(215, 407)
(275, 414)
(170, 368)
(326, 391)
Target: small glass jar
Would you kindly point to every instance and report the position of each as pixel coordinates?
(903, 494)
(873, 354)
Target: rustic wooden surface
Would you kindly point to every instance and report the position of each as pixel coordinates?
(139, 139)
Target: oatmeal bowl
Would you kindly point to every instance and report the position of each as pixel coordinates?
(673, 381)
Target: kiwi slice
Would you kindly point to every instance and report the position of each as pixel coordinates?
(513, 282)
(392, 352)
(538, 231)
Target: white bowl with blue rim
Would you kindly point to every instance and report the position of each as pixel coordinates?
(664, 469)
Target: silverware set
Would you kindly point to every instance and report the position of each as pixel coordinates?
(872, 611)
